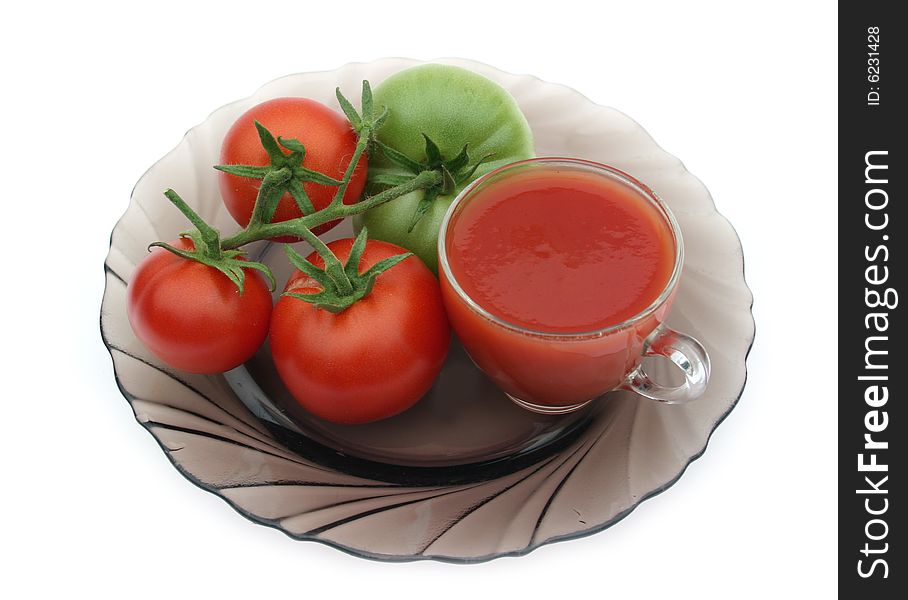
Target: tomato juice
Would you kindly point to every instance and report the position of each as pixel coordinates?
(555, 273)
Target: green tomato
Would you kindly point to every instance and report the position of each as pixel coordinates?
(453, 107)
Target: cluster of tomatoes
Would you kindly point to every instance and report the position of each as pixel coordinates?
(378, 355)
(368, 362)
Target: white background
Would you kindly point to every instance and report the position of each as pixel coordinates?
(745, 95)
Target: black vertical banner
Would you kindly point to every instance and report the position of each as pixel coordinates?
(873, 227)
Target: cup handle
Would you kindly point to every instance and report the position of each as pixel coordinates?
(687, 354)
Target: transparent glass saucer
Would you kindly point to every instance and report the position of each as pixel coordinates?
(464, 475)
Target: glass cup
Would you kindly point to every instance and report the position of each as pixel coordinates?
(558, 373)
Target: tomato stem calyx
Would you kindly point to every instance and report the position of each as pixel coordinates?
(365, 124)
(207, 248)
(286, 173)
(342, 284)
(453, 172)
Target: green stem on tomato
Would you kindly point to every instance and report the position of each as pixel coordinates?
(334, 211)
(361, 143)
(334, 268)
(342, 284)
(208, 235)
(269, 195)
(206, 248)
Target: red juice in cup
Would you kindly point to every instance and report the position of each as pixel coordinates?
(555, 274)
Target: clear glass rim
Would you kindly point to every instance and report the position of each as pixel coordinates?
(583, 164)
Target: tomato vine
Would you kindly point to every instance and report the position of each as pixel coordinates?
(284, 174)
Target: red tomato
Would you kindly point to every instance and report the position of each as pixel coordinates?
(192, 316)
(329, 142)
(376, 358)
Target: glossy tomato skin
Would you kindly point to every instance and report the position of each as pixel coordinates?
(329, 141)
(192, 316)
(373, 360)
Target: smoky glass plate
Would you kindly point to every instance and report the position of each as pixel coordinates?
(464, 475)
